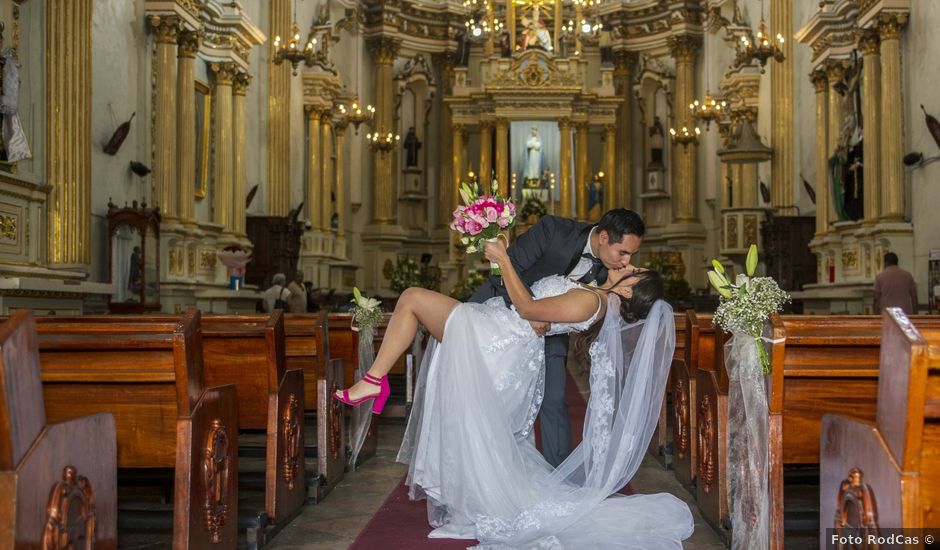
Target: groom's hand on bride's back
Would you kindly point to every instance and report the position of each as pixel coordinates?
(541, 328)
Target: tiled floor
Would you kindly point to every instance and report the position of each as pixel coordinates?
(334, 523)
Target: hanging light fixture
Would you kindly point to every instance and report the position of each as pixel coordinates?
(762, 47)
(357, 112)
(708, 109)
(383, 141)
(291, 49)
(685, 135)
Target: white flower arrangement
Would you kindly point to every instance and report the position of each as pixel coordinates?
(366, 313)
(746, 304)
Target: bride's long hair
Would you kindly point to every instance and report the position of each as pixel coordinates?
(649, 288)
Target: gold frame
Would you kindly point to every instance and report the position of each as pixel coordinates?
(202, 178)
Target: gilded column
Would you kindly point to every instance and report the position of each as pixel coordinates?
(564, 159)
(279, 88)
(445, 65)
(624, 63)
(502, 156)
(384, 49)
(68, 132)
(892, 103)
(610, 167)
(781, 107)
(581, 175)
(314, 162)
(821, 85)
(224, 144)
(185, 132)
(339, 134)
(871, 115)
(166, 30)
(835, 71)
(486, 152)
(749, 185)
(326, 172)
(239, 116)
(684, 48)
(457, 146)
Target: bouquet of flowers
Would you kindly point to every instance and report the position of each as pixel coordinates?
(366, 314)
(745, 305)
(482, 218)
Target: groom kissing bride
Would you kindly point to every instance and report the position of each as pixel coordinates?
(490, 369)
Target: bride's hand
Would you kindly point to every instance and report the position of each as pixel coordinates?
(495, 251)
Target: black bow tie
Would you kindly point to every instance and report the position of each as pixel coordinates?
(597, 272)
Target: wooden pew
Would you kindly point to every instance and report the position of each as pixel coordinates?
(658, 444)
(249, 352)
(698, 354)
(58, 480)
(150, 376)
(307, 348)
(887, 473)
(820, 364)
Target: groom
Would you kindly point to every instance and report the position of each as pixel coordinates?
(580, 251)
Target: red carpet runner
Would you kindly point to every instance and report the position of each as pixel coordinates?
(403, 524)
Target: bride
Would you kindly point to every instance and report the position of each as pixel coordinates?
(469, 441)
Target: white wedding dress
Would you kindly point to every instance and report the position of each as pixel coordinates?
(470, 446)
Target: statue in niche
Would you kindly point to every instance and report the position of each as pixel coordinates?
(534, 33)
(533, 165)
(134, 281)
(595, 197)
(411, 145)
(846, 167)
(657, 139)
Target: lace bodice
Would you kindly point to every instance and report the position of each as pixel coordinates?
(556, 285)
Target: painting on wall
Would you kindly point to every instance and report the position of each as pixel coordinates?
(203, 112)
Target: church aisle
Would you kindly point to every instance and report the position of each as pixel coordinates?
(336, 522)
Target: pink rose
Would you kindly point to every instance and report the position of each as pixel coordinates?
(491, 214)
(473, 228)
(503, 222)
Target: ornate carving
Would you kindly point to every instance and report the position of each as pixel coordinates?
(706, 431)
(8, 227)
(680, 397)
(820, 80)
(534, 69)
(732, 234)
(70, 514)
(166, 28)
(857, 509)
(869, 42)
(216, 477)
(207, 259)
(336, 417)
(417, 65)
(835, 71)
(890, 25)
(849, 260)
(750, 230)
(868, 262)
(224, 73)
(188, 44)
(293, 444)
(684, 47)
(384, 49)
(191, 261)
(240, 83)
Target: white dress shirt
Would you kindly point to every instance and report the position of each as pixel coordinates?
(584, 264)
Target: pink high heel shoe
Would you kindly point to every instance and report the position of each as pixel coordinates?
(380, 398)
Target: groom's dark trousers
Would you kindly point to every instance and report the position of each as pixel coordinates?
(553, 246)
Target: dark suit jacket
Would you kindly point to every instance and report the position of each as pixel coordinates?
(552, 246)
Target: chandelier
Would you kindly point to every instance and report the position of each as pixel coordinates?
(292, 51)
(685, 135)
(480, 19)
(762, 47)
(708, 109)
(356, 113)
(382, 141)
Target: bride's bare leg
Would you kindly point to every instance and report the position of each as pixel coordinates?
(415, 305)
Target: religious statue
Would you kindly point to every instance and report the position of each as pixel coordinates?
(847, 174)
(134, 282)
(657, 137)
(411, 144)
(595, 197)
(533, 165)
(534, 33)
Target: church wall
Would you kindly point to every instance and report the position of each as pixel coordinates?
(256, 107)
(804, 115)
